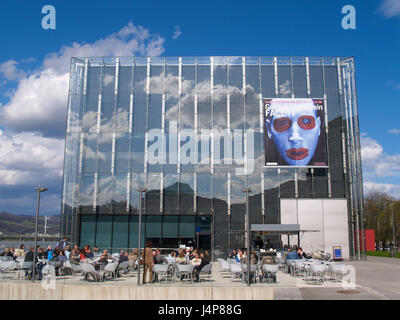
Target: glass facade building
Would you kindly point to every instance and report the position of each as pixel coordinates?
(116, 108)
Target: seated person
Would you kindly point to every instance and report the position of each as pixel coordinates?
(181, 259)
(74, 257)
(300, 253)
(88, 253)
(291, 255)
(204, 261)
(196, 261)
(239, 257)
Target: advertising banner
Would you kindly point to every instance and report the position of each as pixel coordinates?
(294, 132)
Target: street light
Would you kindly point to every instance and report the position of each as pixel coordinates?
(394, 237)
(247, 230)
(39, 189)
(140, 190)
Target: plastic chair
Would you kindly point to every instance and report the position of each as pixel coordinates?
(88, 269)
(111, 269)
(224, 266)
(299, 267)
(236, 270)
(5, 258)
(161, 270)
(318, 270)
(185, 272)
(205, 271)
(27, 266)
(269, 272)
(337, 271)
(123, 266)
(8, 268)
(253, 271)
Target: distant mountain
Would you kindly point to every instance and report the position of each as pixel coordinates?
(21, 224)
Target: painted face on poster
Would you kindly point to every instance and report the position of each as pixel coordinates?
(294, 126)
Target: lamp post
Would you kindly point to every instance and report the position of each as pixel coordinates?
(140, 190)
(39, 189)
(247, 230)
(393, 233)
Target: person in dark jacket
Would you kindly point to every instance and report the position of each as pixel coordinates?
(204, 261)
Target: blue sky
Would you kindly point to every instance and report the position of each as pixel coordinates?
(34, 69)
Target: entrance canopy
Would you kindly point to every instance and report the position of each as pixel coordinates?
(276, 228)
(279, 228)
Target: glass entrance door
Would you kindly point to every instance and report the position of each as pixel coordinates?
(203, 240)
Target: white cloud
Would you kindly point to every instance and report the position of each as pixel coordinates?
(177, 32)
(394, 131)
(38, 104)
(29, 158)
(390, 8)
(40, 101)
(10, 72)
(391, 189)
(376, 162)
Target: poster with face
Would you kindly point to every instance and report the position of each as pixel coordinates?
(294, 132)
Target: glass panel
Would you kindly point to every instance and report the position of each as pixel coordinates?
(103, 232)
(119, 196)
(93, 80)
(267, 81)
(300, 82)
(203, 79)
(122, 154)
(271, 196)
(287, 183)
(120, 233)
(252, 79)
(107, 113)
(186, 227)
(255, 210)
(237, 112)
(316, 81)
(137, 180)
(320, 183)
(85, 195)
(204, 195)
(220, 79)
(121, 116)
(171, 189)
(238, 200)
(304, 182)
(125, 85)
(153, 194)
(235, 79)
(186, 194)
(104, 153)
(134, 232)
(170, 227)
(88, 230)
(221, 232)
(153, 227)
(137, 154)
(285, 81)
(89, 153)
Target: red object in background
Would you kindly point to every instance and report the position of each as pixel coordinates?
(369, 240)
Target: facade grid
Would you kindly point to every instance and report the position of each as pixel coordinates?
(115, 103)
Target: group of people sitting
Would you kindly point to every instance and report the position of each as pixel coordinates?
(240, 256)
(63, 252)
(196, 257)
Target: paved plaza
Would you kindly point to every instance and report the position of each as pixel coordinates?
(376, 278)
